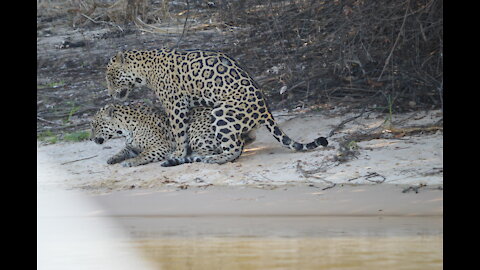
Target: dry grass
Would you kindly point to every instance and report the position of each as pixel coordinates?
(329, 50)
(360, 53)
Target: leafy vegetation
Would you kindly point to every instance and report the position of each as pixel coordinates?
(51, 85)
(75, 136)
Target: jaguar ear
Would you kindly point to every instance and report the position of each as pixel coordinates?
(120, 58)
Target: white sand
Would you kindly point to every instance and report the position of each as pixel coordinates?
(88, 211)
(410, 160)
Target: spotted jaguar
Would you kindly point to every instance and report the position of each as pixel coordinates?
(183, 80)
(149, 137)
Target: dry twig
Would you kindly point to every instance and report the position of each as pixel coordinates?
(339, 126)
(184, 24)
(104, 22)
(311, 173)
(68, 162)
(46, 121)
(387, 61)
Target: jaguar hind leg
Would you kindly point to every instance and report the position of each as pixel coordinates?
(179, 122)
(229, 154)
(232, 131)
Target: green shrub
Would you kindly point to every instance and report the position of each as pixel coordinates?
(76, 136)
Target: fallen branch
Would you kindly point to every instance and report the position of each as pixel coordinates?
(374, 174)
(368, 176)
(401, 132)
(46, 121)
(78, 160)
(310, 173)
(348, 146)
(97, 22)
(339, 126)
(412, 188)
(142, 26)
(207, 26)
(396, 132)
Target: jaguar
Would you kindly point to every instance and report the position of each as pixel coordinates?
(183, 80)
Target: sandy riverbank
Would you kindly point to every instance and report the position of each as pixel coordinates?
(394, 176)
(415, 160)
(300, 209)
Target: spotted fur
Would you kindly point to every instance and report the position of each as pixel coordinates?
(148, 134)
(183, 80)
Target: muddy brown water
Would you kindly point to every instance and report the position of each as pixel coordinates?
(170, 229)
(290, 242)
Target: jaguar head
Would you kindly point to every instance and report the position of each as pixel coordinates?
(103, 125)
(121, 77)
